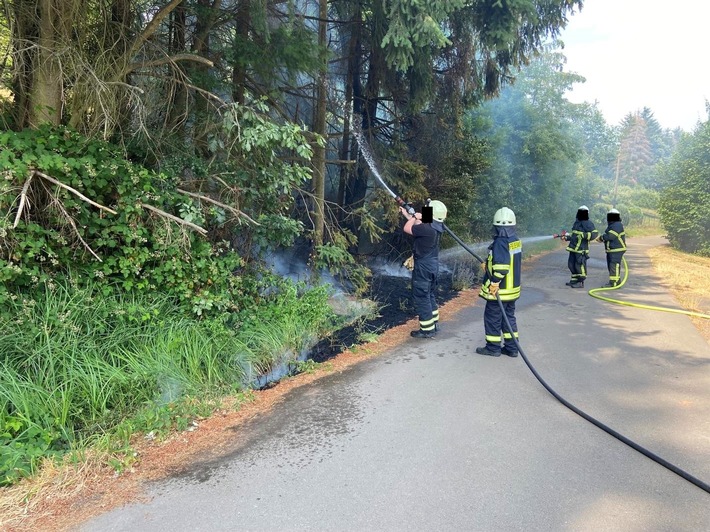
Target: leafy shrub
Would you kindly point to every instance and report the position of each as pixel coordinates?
(135, 249)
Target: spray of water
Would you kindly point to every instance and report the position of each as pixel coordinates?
(531, 239)
(370, 160)
(481, 247)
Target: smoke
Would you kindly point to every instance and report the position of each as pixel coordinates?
(381, 266)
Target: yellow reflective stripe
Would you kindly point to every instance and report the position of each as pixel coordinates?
(493, 339)
(427, 323)
(508, 336)
(617, 273)
(511, 290)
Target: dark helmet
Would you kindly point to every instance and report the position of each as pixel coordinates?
(613, 216)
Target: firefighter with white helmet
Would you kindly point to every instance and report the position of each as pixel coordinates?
(583, 232)
(614, 240)
(425, 268)
(501, 280)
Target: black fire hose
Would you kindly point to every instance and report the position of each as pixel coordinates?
(675, 469)
(665, 463)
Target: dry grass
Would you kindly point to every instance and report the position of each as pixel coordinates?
(688, 279)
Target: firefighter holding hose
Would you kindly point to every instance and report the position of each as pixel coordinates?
(501, 280)
(427, 235)
(614, 240)
(583, 232)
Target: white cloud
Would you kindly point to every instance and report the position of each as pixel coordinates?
(636, 54)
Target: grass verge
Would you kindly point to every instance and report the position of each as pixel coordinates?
(79, 368)
(690, 275)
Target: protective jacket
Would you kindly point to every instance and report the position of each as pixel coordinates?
(582, 232)
(424, 275)
(503, 265)
(426, 244)
(614, 238)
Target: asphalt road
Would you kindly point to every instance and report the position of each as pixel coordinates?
(431, 436)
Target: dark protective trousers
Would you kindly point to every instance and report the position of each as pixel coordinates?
(494, 325)
(424, 294)
(613, 264)
(577, 264)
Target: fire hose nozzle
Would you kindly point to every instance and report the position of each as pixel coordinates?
(560, 235)
(407, 206)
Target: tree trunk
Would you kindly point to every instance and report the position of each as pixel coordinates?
(367, 110)
(45, 98)
(320, 128)
(239, 68)
(352, 88)
(120, 42)
(178, 105)
(25, 32)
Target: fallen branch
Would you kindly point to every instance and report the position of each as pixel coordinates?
(71, 221)
(73, 191)
(172, 59)
(174, 218)
(23, 199)
(219, 204)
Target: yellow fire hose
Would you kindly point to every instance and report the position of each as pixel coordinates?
(593, 293)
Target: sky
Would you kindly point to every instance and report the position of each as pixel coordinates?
(640, 53)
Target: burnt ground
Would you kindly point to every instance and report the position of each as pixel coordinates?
(394, 299)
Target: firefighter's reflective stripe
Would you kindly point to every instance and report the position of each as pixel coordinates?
(427, 325)
(579, 237)
(509, 336)
(615, 274)
(493, 339)
(507, 274)
(582, 236)
(620, 241)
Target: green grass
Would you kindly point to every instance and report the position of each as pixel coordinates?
(541, 247)
(76, 366)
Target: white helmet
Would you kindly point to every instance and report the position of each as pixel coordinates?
(613, 211)
(583, 208)
(504, 216)
(438, 211)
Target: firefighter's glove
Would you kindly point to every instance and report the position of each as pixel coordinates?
(409, 263)
(493, 289)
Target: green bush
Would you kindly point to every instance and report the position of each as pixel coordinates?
(136, 250)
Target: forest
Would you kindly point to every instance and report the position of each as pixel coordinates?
(153, 154)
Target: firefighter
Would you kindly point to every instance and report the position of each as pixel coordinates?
(614, 239)
(583, 231)
(502, 278)
(426, 265)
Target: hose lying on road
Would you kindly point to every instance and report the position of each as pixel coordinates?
(593, 293)
(678, 471)
(665, 463)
